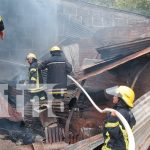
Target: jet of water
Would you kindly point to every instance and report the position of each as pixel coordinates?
(14, 63)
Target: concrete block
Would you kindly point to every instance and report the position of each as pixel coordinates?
(97, 20)
(120, 21)
(70, 10)
(82, 12)
(59, 9)
(77, 19)
(87, 20)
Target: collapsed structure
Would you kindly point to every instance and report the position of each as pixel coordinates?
(79, 123)
(122, 58)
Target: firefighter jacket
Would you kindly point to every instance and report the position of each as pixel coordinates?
(35, 78)
(58, 68)
(115, 136)
(1, 24)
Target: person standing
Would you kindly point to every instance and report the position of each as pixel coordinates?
(115, 135)
(57, 69)
(35, 78)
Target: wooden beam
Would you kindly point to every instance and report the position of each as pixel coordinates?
(87, 144)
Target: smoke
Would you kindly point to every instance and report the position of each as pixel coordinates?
(30, 26)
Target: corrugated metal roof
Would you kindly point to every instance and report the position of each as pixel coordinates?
(123, 49)
(142, 128)
(108, 65)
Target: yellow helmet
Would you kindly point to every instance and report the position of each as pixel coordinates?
(126, 93)
(31, 55)
(55, 48)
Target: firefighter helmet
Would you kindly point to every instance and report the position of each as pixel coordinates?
(124, 92)
(31, 55)
(55, 48)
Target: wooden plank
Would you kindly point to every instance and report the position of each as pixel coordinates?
(87, 144)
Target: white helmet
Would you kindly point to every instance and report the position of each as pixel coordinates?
(31, 55)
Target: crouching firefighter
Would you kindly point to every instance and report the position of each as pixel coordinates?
(115, 135)
(57, 69)
(35, 79)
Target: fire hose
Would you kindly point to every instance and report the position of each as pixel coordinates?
(131, 145)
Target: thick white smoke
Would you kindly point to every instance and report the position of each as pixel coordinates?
(30, 25)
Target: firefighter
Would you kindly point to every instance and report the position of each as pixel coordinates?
(1, 28)
(35, 78)
(115, 135)
(57, 69)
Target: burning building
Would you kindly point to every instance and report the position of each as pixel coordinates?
(105, 46)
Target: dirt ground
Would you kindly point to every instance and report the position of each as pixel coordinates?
(8, 145)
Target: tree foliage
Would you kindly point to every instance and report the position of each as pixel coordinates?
(141, 6)
(138, 6)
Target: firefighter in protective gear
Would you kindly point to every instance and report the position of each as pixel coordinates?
(115, 135)
(35, 78)
(55, 48)
(57, 69)
(1, 28)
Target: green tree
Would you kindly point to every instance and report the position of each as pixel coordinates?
(141, 6)
(138, 6)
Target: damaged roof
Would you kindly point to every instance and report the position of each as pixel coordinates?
(115, 55)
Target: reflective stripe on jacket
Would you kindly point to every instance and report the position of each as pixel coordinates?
(35, 78)
(115, 136)
(58, 68)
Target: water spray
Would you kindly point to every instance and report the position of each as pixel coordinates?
(14, 63)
